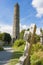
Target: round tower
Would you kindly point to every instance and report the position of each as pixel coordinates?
(16, 22)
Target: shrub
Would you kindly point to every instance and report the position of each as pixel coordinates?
(36, 47)
(19, 42)
(37, 58)
(36, 38)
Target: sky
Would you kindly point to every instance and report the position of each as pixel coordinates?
(31, 12)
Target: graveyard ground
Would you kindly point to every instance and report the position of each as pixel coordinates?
(18, 52)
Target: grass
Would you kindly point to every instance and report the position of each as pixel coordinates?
(18, 52)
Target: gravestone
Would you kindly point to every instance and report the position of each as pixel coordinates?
(25, 59)
(26, 49)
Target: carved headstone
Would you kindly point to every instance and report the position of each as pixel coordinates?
(27, 62)
(25, 59)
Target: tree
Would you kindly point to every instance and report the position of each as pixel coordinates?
(28, 29)
(1, 36)
(6, 37)
(36, 38)
(22, 34)
(41, 30)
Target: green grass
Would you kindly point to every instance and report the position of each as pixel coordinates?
(18, 52)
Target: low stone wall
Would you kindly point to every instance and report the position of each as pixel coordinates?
(22, 60)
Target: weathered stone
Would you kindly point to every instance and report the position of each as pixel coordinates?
(18, 64)
(25, 59)
(26, 48)
(22, 59)
(16, 22)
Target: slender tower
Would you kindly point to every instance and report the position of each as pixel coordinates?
(16, 22)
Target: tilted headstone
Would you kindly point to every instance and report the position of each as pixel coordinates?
(25, 59)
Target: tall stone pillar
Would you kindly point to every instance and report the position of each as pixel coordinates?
(16, 22)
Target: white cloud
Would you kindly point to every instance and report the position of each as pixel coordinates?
(38, 5)
(37, 29)
(29, 26)
(8, 28)
(23, 27)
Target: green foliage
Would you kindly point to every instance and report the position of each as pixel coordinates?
(1, 36)
(41, 30)
(37, 58)
(36, 47)
(18, 52)
(6, 37)
(19, 42)
(36, 38)
(22, 34)
(28, 29)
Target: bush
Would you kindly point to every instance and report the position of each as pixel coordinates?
(36, 47)
(19, 42)
(36, 38)
(37, 58)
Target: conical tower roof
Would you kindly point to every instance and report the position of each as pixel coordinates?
(17, 5)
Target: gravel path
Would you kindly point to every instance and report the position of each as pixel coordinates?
(5, 55)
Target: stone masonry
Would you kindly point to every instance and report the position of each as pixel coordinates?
(16, 22)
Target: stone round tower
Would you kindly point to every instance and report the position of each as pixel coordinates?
(16, 22)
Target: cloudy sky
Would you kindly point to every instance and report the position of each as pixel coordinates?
(31, 12)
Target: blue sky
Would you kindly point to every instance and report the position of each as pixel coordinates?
(31, 12)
